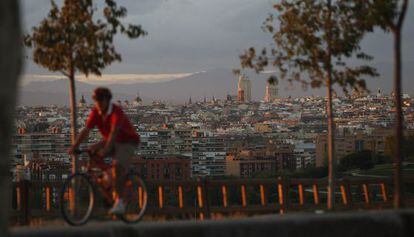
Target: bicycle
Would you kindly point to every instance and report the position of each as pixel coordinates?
(78, 194)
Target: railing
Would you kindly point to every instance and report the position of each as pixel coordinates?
(210, 198)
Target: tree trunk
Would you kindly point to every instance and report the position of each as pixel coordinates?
(331, 155)
(397, 159)
(329, 111)
(10, 65)
(73, 117)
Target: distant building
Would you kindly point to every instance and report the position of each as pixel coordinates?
(244, 89)
(240, 96)
(208, 154)
(347, 143)
(379, 94)
(47, 150)
(137, 100)
(82, 102)
(304, 155)
(36, 168)
(163, 167)
(250, 166)
(48, 146)
(166, 141)
(231, 98)
(248, 163)
(271, 92)
(206, 151)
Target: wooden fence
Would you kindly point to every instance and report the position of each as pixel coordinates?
(212, 198)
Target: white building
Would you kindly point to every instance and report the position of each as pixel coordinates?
(305, 155)
(166, 142)
(209, 155)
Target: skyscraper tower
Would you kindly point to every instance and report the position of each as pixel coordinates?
(244, 89)
(271, 92)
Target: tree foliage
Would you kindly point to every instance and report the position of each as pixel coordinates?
(301, 32)
(363, 160)
(360, 160)
(74, 38)
(387, 14)
(407, 149)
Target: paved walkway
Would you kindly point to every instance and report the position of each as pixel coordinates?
(364, 224)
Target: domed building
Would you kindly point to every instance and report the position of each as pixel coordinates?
(137, 100)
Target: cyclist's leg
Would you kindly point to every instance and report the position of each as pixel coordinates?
(123, 154)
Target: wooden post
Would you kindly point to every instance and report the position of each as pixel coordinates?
(344, 195)
(281, 197)
(262, 195)
(200, 201)
(160, 197)
(384, 192)
(366, 193)
(200, 196)
(300, 190)
(180, 197)
(140, 197)
(47, 190)
(224, 194)
(315, 194)
(243, 195)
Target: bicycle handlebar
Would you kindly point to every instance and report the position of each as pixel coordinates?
(78, 151)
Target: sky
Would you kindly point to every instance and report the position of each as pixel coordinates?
(189, 36)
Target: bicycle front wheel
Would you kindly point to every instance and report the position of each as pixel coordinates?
(135, 198)
(77, 199)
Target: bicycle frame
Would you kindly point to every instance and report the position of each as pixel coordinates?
(96, 162)
(134, 194)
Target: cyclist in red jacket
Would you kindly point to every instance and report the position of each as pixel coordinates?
(119, 137)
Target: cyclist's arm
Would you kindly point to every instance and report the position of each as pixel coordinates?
(89, 125)
(83, 135)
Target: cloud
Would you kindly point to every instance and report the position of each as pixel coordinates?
(111, 78)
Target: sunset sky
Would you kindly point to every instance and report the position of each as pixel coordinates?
(188, 36)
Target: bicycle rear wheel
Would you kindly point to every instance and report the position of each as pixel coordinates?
(77, 199)
(135, 198)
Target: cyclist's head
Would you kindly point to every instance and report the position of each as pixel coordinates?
(102, 93)
(102, 97)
